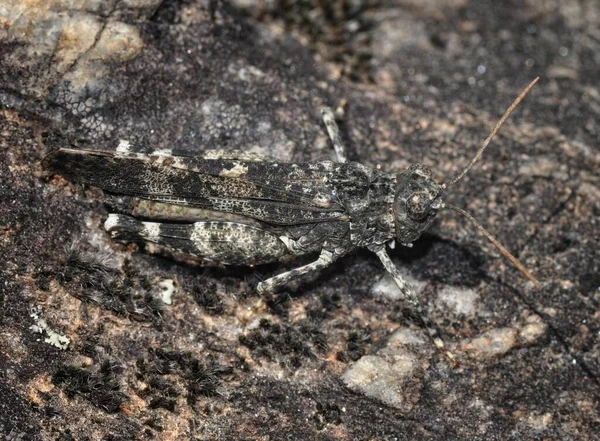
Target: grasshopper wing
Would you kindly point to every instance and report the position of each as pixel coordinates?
(277, 193)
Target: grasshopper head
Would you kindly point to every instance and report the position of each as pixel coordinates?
(416, 203)
(418, 196)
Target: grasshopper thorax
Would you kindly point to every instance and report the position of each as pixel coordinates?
(416, 202)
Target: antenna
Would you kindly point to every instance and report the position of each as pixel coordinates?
(487, 141)
(516, 262)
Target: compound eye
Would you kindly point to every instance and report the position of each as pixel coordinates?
(418, 205)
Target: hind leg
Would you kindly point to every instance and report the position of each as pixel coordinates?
(219, 241)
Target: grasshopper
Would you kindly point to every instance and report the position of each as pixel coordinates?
(241, 208)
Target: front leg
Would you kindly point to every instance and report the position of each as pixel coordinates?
(410, 296)
(270, 285)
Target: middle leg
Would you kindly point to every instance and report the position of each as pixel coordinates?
(269, 285)
(334, 133)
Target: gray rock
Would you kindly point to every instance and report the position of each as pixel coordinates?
(219, 361)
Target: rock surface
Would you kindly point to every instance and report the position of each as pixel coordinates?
(101, 340)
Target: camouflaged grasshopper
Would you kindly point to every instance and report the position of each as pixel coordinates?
(245, 209)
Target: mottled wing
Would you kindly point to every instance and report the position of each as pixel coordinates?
(272, 192)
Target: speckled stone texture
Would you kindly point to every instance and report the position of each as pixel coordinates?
(101, 340)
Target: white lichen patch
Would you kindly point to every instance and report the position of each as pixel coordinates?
(168, 290)
(406, 337)
(78, 35)
(118, 43)
(538, 422)
(498, 342)
(392, 376)
(53, 337)
(491, 344)
(219, 118)
(377, 378)
(460, 301)
(532, 330)
(81, 45)
(387, 288)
